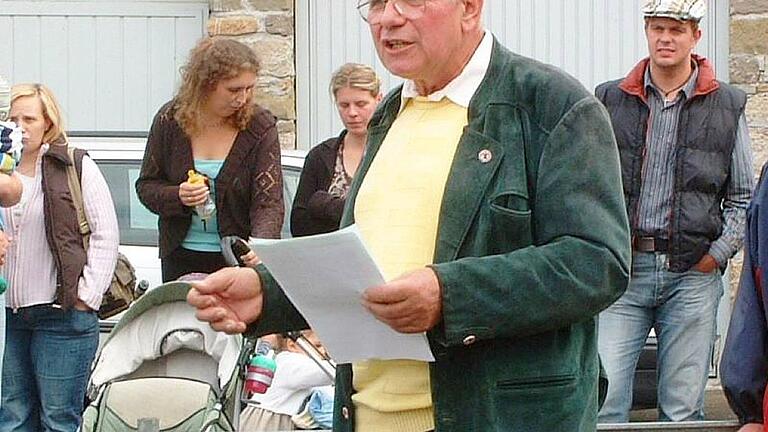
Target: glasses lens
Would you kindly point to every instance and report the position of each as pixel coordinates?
(371, 11)
(364, 7)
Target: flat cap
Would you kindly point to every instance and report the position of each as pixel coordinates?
(681, 10)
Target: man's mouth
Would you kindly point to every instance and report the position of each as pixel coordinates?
(396, 44)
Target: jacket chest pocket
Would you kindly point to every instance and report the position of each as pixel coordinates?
(508, 207)
(509, 217)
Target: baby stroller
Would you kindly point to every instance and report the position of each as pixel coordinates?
(161, 366)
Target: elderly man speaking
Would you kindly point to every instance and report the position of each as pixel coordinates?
(490, 195)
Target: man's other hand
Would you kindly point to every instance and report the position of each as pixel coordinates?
(706, 264)
(228, 299)
(411, 303)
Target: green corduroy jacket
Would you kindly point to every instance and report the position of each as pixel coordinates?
(533, 241)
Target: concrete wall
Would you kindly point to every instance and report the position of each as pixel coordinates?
(268, 27)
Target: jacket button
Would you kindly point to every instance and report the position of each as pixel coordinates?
(484, 156)
(345, 412)
(469, 340)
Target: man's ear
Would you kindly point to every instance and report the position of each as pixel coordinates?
(472, 16)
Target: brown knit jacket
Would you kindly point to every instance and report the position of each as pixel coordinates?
(249, 187)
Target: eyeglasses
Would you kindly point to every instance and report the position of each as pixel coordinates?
(371, 11)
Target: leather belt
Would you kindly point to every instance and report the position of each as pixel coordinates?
(649, 244)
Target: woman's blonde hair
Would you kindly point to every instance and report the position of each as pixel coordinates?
(356, 76)
(212, 60)
(51, 109)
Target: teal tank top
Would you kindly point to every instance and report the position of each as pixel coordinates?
(204, 236)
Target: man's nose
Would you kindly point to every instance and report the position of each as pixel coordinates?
(391, 13)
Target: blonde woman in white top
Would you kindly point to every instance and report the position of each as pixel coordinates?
(55, 285)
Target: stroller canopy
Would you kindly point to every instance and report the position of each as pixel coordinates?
(158, 324)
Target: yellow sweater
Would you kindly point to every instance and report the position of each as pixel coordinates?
(397, 210)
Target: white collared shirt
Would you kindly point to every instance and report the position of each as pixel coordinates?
(461, 89)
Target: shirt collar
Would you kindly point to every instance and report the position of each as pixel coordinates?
(461, 89)
(688, 88)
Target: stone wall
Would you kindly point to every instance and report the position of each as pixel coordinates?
(748, 62)
(268, 27)
(749, 59)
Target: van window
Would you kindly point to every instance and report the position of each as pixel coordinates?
(290, 184)
(138, 226)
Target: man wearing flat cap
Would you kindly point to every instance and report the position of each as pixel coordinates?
(687, 176)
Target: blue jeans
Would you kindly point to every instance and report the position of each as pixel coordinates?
(681, 308)
(48, 357)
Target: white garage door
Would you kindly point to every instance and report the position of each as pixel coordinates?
(595, 40)
(111, 63)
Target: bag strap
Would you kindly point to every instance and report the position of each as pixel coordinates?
(74, 171)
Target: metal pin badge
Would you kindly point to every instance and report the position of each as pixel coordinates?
(485, 156)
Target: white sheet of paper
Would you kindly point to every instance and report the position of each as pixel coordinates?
(324, 276)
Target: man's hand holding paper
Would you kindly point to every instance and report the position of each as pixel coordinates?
(411, 303)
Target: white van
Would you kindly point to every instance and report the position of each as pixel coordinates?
(119, 159)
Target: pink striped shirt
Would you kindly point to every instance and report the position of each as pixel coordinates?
(29, 267)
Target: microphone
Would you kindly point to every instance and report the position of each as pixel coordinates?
(240, 248)
(232, 248)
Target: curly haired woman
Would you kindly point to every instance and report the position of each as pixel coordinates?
(212, 126)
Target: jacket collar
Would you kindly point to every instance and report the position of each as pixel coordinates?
(634, 83)
(334, 143)
(331, 147)
(485, 94)
(58, 151)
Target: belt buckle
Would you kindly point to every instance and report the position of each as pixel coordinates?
(645, 243)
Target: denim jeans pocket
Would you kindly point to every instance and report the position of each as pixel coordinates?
(82, 322)
(695, 271)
